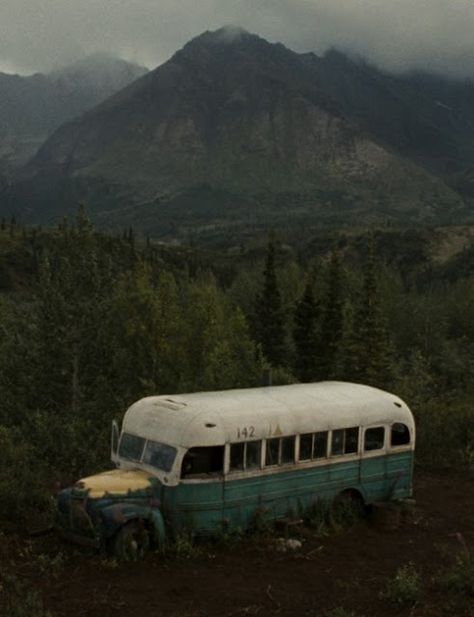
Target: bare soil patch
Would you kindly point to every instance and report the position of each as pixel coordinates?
(348, 568)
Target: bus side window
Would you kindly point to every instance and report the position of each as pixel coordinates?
(237, 452)
(320, 449)
(337, 445)
(400, 435)
(345, 441)
(287, 450)
(252, 458)
(306, 447)
(374, 438)
(272, 451)
(199, 461)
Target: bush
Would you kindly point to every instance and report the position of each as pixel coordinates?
(23, 489)
(17, 600)
(405, 587)
(460, 576)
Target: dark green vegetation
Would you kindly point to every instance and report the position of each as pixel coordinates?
(90, 323)
(234, 136)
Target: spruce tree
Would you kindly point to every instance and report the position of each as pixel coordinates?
(332, 320)
(305, 335)
(373, 350)
(269, 313)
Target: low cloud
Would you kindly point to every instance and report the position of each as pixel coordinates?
(436, 35)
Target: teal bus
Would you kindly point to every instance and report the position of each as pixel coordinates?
(209, 460)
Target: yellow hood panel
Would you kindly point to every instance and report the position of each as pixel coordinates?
(117, 482)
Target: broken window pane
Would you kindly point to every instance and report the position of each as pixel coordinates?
(306, 447)
(374, 438)
(254, 449)
(199, 461)
(320, 445)
(288, 450)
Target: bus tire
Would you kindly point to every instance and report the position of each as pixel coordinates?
(131, 542)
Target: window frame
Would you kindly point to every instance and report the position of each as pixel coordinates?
(313, 458)
(343, 453)
(378, 450)
(409, 443)
(227, 457)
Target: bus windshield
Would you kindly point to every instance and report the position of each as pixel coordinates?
(159, 455)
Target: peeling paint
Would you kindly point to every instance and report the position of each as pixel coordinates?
(115, 482)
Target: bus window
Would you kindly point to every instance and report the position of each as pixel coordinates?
(320, 449)
(400, 434)
(345, 441)
(287, 450)
(253, 450)
(306, 447)
(351, 443)
(272, 451)
(337, 446)
(199, 461)
(374, 438)
(237, 453)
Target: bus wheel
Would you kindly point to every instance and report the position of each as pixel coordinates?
(347, 507)
(131, 542)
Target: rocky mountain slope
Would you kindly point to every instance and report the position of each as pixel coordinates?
(234, 128)
(31, 108)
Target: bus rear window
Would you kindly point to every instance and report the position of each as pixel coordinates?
(131, 447)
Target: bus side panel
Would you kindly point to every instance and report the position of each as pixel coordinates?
(276, 495)
(195, 506)
(373, 477)
(400, 475)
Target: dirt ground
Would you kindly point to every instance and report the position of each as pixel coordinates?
(341, 574)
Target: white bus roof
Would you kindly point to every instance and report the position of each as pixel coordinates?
(216, 418)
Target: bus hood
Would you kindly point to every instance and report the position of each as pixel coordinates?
(115, 482)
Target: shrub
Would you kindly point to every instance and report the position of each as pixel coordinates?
(405, 587)
(17, 600)
(460, 576)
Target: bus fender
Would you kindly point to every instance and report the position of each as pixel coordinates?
(119, 514)
(158, 527)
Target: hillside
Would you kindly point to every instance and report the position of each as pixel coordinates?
(31, 108)
(231, 131)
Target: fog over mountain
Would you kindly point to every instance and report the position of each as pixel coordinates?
(433, 35)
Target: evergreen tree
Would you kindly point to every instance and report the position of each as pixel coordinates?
(332, 320)
(305, 335)
(269, 313)
(372, 345)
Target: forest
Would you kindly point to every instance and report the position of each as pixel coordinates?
(89, 323)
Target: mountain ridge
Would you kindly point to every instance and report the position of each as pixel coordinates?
(234, 119)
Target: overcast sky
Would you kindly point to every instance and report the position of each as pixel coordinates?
(37, 35)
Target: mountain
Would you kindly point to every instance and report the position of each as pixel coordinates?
(234, 131)
(31, 108)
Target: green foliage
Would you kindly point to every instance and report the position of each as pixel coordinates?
(405, 588)
(305, 335)
(459, 578)
(19, 600)
(270, 326)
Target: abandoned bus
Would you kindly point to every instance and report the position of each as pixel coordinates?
(211, 459)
